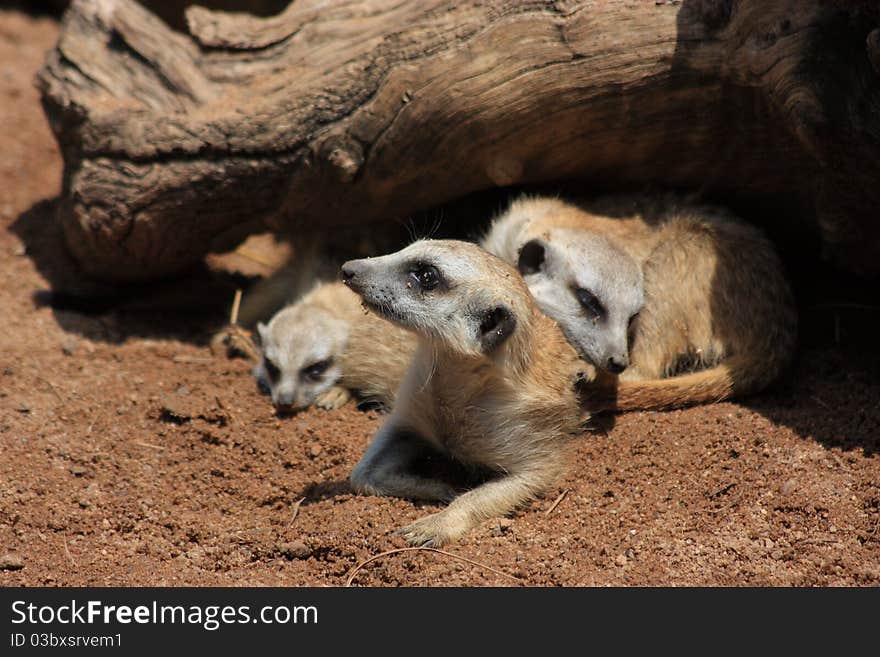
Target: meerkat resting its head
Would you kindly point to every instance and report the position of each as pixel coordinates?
(583, 279)
(692, 302)
(492, 383)
(321, 348)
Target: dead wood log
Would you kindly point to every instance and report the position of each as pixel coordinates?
(334, 114)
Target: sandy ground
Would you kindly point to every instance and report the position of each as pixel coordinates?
(129, 455)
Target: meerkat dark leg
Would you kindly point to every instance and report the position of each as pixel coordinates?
(384, 469)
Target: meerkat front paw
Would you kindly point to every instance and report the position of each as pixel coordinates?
(434, 530)
(334, 398)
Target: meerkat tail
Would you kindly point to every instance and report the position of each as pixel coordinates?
(733, 377)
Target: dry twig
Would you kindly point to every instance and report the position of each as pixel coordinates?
(295, 511)
(67, 552)
(234, 339)
(54, 390)
(358, 568)
(557, 501)
(236, 304)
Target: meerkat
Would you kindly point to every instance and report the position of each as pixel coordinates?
(325, 347)
(586, 280)
(687, 303)
(493, 384)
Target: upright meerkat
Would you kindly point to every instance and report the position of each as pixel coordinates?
(492, 383)
(687, 303)
(325, 346)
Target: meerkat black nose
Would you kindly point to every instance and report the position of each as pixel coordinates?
(285, 400)
(616, 364)
(351, 270)
(354, 274)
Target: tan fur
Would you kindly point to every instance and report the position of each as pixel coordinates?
(718, 318)
(511, 409)
(370, 354)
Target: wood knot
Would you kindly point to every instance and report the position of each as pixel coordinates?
(872, 45)
(345, 158)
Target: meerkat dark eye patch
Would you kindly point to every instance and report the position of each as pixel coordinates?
(632, 330)
(426, 276)
(496, 325)
(316, 370)
(531, 257)
(589, 303)
(272, 370)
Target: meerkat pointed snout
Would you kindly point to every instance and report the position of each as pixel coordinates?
(617, 363)
(356, 274)
(350, 271)
(376, 293)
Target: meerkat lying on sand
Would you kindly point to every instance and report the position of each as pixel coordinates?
(492, 383)
(326, 345)
(690, 301)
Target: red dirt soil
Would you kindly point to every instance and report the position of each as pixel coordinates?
(129, 455)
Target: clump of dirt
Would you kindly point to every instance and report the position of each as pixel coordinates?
(131, 455)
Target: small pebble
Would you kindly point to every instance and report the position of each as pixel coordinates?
(172, 411)
(11, 562)
(295, 550)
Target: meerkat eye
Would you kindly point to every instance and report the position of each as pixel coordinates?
(272, 370)
(589, 302)
(426, 276)
(316, 370)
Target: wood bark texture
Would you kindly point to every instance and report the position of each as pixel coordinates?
(356, 112)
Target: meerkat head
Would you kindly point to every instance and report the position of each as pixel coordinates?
(301, 349)
(591, 288)
(452, 293)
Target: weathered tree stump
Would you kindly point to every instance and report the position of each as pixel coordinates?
(334, 114)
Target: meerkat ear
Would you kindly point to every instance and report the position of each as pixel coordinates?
(262, 329)
(496, 325)
(531, 257)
